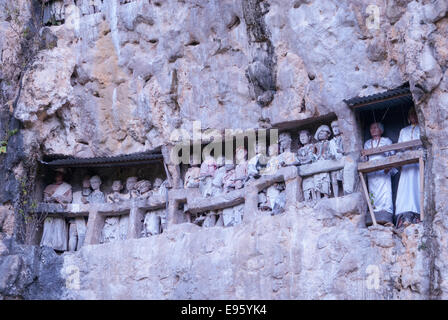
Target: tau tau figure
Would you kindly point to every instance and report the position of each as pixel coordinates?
(408, 192)
(142, 189)
(115, 196)
(229, 178)
(322, 180)
(152, 224)
(306, 155)
(275, 192)
(379, 182)
(97, 196)
(130, 188)
(208, 168)
(217, 182)
(286, 157)
(77, 226)
(258, 163)
(336, 151)
(55, 233)
(241, 173)
(192, 175)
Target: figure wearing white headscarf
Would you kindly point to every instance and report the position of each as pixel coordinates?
(380, 185)
(409, 185)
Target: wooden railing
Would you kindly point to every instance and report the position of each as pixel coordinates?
(392, 147)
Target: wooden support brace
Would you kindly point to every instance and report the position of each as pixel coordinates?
(366, 194)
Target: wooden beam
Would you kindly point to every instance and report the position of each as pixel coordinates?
(392, 147)
(321, 166)
(390, 162)
(366, 195)
(422, 187)
(222, 201)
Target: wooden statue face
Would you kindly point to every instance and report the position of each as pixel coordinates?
(375, 130)
(335, 128)
(304, 137)
(59, 178)
(117, 186)
(95, 182)
(86, 183)
(273, 149)
(130, 183)
(285, 143)
(413, 119)
(323, 135)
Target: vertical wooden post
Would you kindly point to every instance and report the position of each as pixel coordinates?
(422, 187)
(366, 194)
(135, 221)
(293, 190)
(94, 227)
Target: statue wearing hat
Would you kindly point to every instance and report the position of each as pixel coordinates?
(142, 189)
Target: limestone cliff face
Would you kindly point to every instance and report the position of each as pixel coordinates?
(119, 76)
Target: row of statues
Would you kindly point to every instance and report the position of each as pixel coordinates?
(407, 204)
(219, 176)
(321, 184)
(62, 236)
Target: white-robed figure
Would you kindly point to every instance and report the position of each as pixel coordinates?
(380, 185)
(409, 186)
(55, 234)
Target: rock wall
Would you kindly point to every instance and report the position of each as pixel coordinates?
(119, 76)
(320, 253)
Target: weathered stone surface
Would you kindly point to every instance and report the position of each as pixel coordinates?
(305, 259)
(7, 220)
(118, 77)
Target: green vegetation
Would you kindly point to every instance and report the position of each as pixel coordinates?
(4, 143)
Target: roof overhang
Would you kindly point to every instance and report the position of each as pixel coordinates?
(105, 162)
(390, 98)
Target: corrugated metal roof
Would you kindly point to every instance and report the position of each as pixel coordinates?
(122, 160)
(401, 95)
